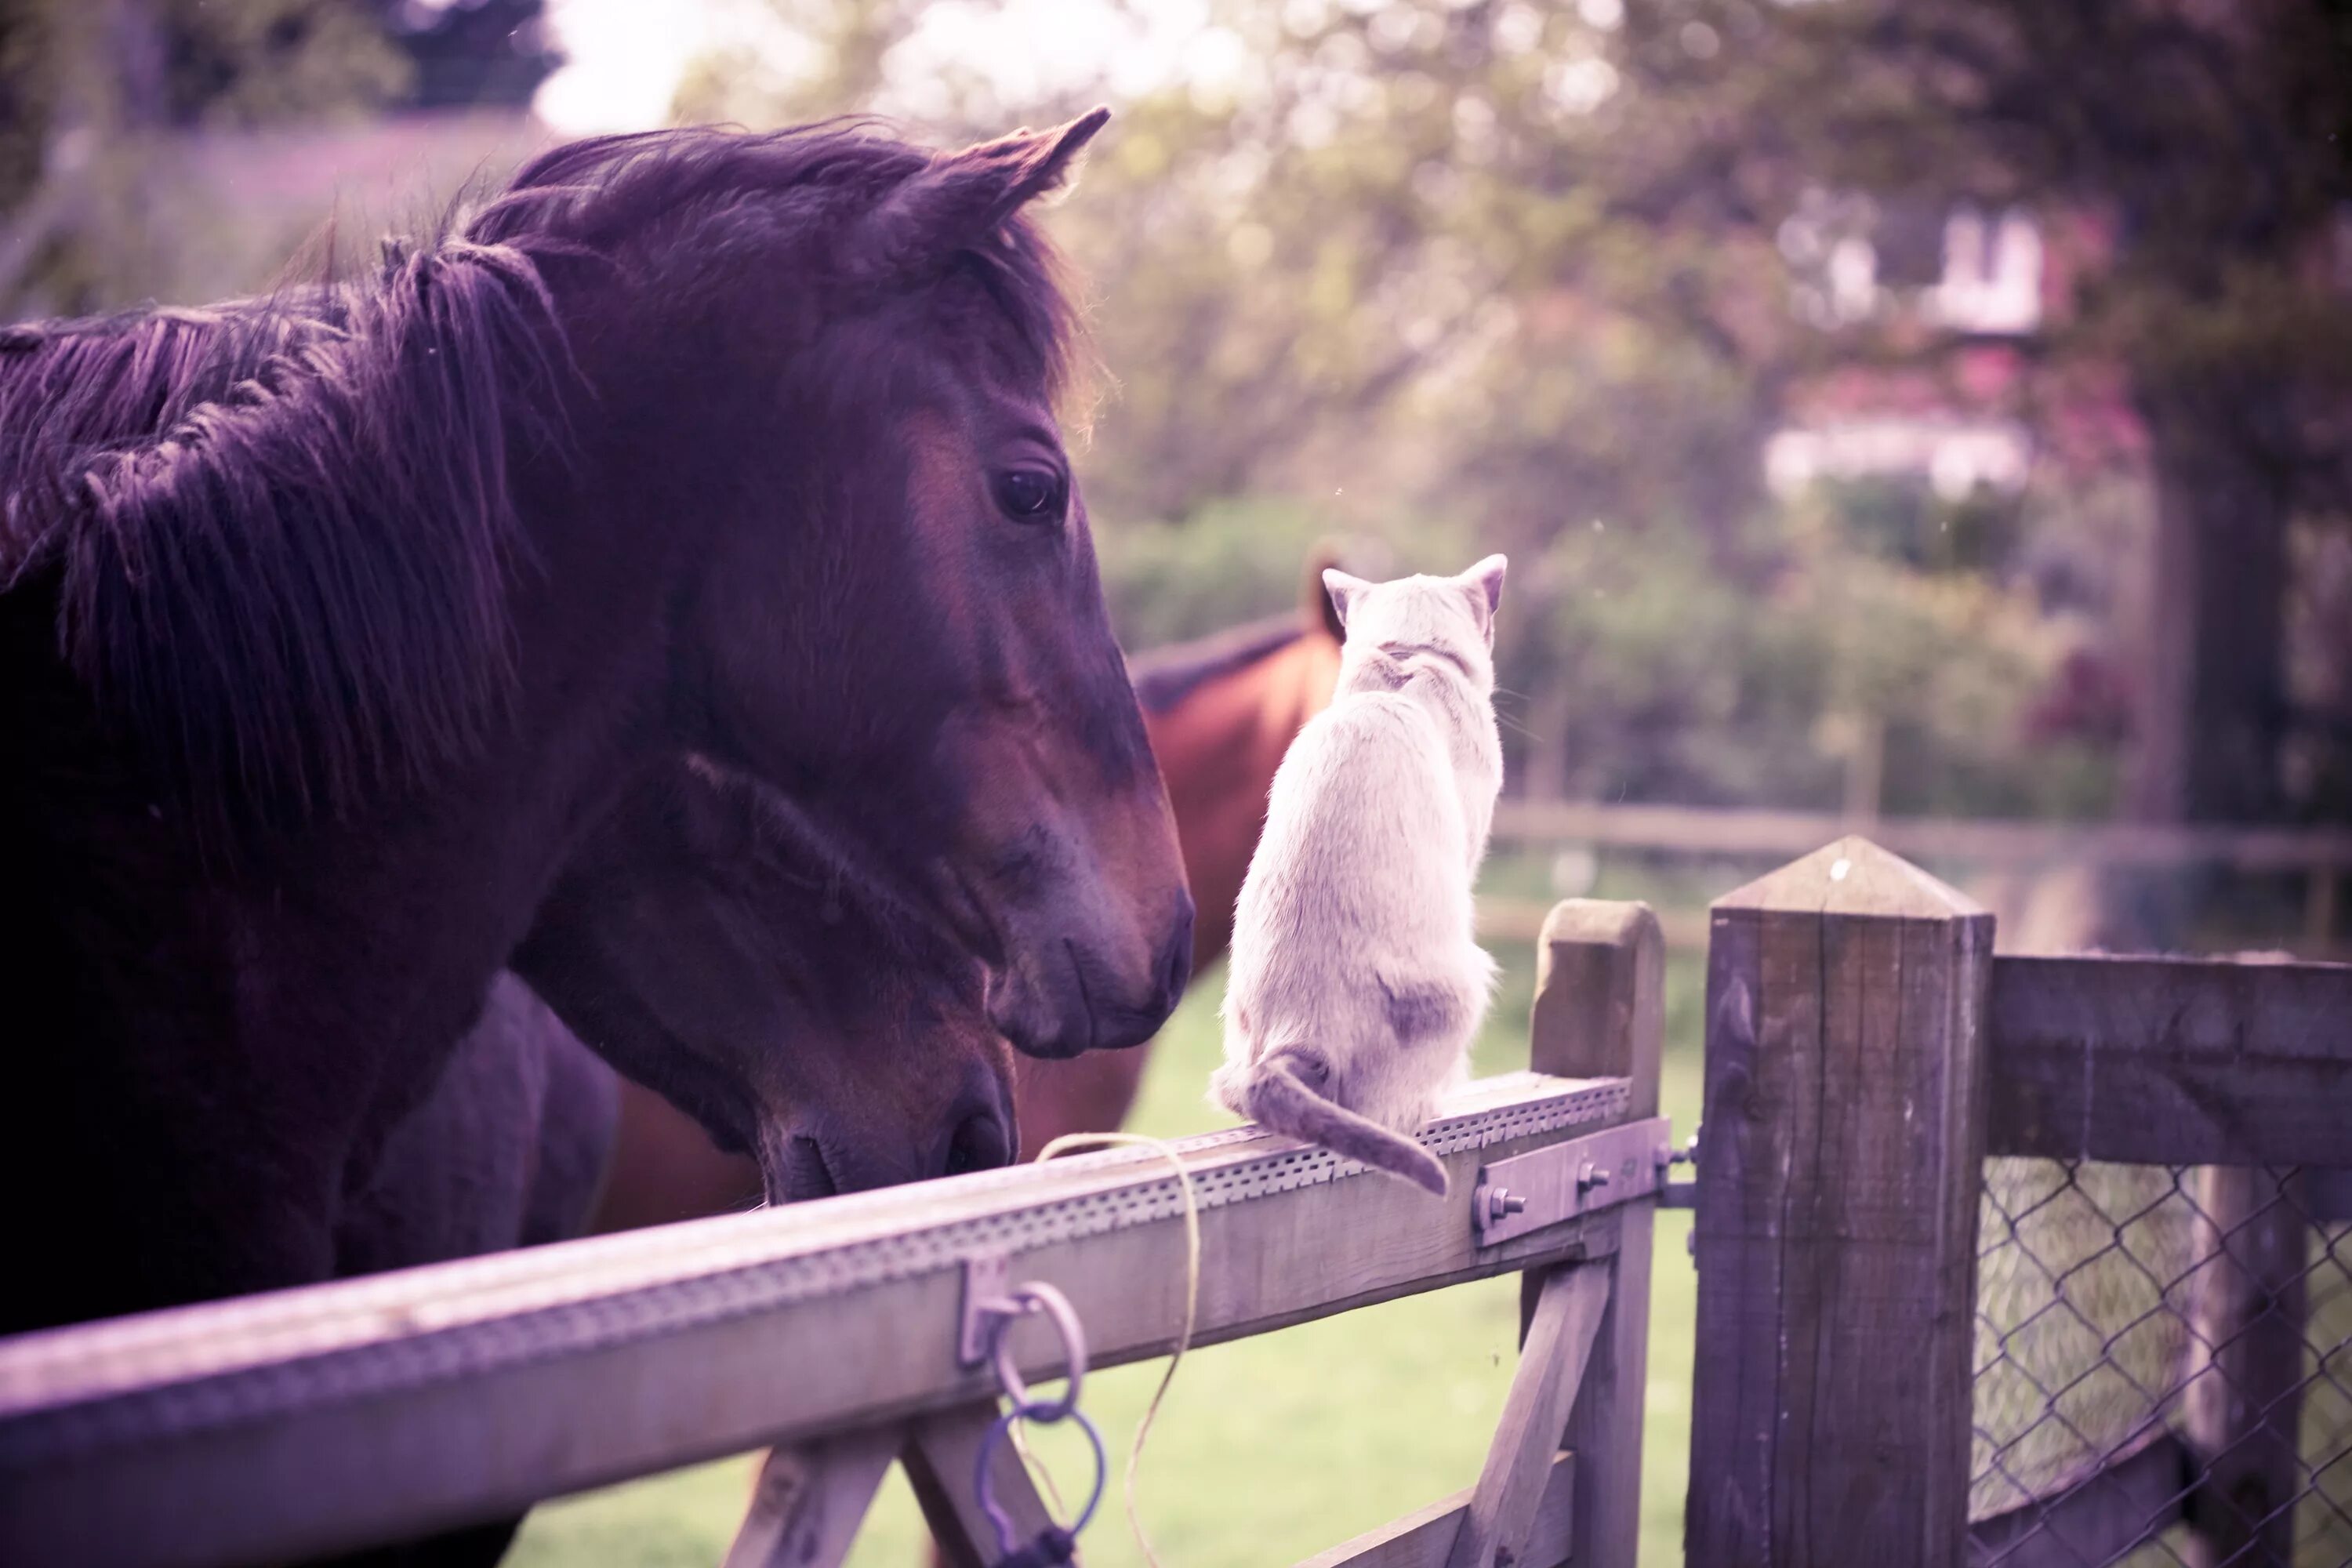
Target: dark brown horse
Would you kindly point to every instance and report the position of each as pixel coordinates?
(510, 1149)
(1221, 711)
(731, 942)
(698, 441)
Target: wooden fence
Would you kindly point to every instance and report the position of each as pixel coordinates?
(1866, 1054)
(1737, 831)
(335, 1417)
(2321, 856)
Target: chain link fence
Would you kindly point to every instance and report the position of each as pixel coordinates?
(2163, 1369)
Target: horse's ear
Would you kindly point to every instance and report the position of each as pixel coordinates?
(963, 198)
(1343, 590)
(1316, 604)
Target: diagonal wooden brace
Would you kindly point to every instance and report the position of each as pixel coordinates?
(940, 1455)
(1496, 1527)
(810, 1500)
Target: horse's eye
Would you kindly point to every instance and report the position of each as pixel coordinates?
(1031, 495)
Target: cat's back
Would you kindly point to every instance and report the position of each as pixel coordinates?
(1367, 754)
(1361, 825)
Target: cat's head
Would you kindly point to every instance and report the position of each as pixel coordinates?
(1439, 622)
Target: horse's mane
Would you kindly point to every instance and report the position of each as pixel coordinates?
(1164, 677)
(280, 531)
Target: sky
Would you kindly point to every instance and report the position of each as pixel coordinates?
(626, 57)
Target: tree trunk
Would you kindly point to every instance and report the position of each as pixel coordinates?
(2212, 693)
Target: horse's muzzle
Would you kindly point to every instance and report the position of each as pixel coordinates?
(1056, 1003)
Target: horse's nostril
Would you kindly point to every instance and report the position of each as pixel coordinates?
(978, 1143)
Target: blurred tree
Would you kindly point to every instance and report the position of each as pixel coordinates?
(2209, 141)
(87, 86)
(1460, 272)
(463, 53)
(1318, 227)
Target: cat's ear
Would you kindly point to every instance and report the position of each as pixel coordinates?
(1484, 583)
(1344, 591)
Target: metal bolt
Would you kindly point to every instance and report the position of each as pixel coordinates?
(1589, 1176)
(1502, 1200)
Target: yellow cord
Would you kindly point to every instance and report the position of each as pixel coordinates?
(1062, 1145)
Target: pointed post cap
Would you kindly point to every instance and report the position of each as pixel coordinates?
(1851, 877)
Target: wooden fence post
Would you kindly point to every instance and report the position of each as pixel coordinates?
(1840, 1170)
(2244, 1410)
(1599, 1012)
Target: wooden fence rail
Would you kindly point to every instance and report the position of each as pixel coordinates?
(1734, 831)
(334, 1416)
(1866, 1053)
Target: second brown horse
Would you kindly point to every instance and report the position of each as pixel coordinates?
(1221, 711)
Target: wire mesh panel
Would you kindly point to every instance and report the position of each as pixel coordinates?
(2163, 1369)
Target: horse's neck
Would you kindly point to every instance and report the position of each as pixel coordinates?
(1219, 748)
(1313, 675)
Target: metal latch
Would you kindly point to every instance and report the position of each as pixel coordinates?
(1562, 1180)
(985, 1278)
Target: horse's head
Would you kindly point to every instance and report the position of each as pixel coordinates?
(893, 611)
(709, 948)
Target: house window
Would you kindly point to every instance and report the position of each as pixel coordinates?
(1992, 273)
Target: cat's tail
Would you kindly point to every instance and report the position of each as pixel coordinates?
(1278, 1099)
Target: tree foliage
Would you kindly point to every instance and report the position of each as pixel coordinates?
(89, 88)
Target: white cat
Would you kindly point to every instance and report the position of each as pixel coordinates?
(1356, 982)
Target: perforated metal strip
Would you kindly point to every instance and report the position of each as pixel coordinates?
(66, 1392)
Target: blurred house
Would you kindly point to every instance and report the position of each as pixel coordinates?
(1960, 297)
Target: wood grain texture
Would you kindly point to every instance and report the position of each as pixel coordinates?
(1839, 1175)
(1569, 1304)
(2327, 1196)
(2245, 1404)
(2172, 1061)
(1599, 1012)
(1422, 1538)
(810, 1500)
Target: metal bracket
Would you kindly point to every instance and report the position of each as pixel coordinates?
(1682, 1194)
(1562, 1180)
(986, 1279)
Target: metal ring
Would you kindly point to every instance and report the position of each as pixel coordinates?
(983, 1484)
(1038, 1296)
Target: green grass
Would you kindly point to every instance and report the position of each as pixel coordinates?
(1267, 1449)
